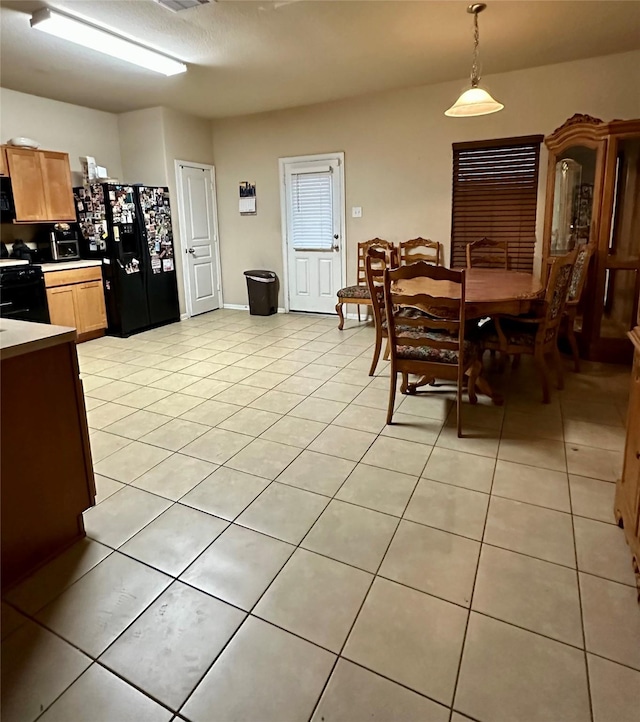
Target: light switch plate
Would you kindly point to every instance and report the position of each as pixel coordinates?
(356, 212)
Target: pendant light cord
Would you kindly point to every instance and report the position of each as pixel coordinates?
(475, 76)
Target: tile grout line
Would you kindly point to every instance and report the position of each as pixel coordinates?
(473, 586)
(271, 481)
(578, 586)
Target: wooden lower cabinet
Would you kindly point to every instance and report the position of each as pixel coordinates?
(76, 298)
(627, 503)
(45, 467)
(62, 306)
(90, 307)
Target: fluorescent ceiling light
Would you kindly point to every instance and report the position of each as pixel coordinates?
(104, 41)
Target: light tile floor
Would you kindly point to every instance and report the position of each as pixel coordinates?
(264, 548)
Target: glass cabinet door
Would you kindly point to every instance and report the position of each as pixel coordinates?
(575, 173)
(622, 282)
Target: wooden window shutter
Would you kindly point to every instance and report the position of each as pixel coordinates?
(495, 194)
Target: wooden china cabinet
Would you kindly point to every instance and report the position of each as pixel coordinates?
(593, 196)
(627, 502)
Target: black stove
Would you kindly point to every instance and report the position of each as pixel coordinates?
(22, 293)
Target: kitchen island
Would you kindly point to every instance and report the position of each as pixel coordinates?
(46, 468)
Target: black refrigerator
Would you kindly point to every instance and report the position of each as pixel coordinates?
(129, 228)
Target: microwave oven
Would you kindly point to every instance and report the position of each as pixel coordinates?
(65, 245)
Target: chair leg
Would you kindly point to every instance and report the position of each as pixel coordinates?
(387, 351)
(543, 370)
(573, 342)
(393, 380)
(557, 360)
(376, 354)
(459, 409)
(359, 317)
(474, 372)
(340, 315)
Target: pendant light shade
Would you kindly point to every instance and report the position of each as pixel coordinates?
(476, 100)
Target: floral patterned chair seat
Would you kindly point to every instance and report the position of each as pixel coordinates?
(430, 353)
(517, 334)
(354, 292)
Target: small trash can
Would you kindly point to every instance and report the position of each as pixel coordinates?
(263, 292)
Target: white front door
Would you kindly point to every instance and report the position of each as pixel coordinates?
(314, 233)
(198, 235)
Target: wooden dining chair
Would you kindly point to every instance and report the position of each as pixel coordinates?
(537, 334)
(432, 346)
(359, 294)
(375, 262)
(487, 253)
(420, 249)
(574, 294)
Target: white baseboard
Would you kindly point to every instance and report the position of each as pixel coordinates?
(240, 307)
(184, 316)
(354, 316)
(235, 306)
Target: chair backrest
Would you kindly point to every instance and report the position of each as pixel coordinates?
(420, 249)
(446, 313)
(363, 247)
(487, 253)
(376, 261)
(579, 275)
(556, 293)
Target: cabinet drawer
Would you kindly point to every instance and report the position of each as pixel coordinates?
(75, 275)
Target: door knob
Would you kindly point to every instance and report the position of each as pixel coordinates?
(191, 250)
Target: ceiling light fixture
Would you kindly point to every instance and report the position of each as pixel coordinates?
(104, 41)
(476, 100)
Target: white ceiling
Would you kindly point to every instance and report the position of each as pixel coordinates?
(247, 57)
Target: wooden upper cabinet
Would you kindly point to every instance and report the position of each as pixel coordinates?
(27, 184)
(41, 184)
(4, 170)
(58, 193)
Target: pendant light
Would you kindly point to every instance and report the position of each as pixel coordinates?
(476, 100)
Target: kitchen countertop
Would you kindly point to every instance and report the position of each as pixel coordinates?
(18, 338)
(67, 265)
(12, 262)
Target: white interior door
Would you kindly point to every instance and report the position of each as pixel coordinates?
(199, 240)
(314, 234)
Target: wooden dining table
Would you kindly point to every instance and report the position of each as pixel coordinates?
(488, 291)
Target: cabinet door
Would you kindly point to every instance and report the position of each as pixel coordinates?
(631, 473)
(58, 193)
(92, 313)
(27, 185)
(62, 306)
(4, 170)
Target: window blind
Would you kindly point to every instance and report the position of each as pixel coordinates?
(312, 210)
(495, 194)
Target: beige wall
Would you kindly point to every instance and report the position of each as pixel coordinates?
(397, 153)
(185, 138)
(64, 127)
(151, 141)
(142, 146)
